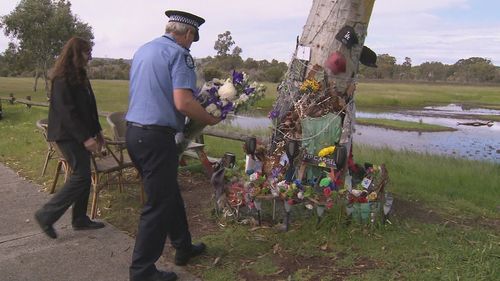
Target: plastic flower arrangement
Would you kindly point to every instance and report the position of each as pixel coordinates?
(221, 97)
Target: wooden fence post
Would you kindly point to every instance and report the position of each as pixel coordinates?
(28, 104)
(12, 98)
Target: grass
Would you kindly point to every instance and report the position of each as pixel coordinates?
(379, 96)
(402, 125)
(463, 245)
(112, 94)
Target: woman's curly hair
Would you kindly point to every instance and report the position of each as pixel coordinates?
(71, 64)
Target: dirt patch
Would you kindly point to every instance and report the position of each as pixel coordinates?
(315, 268)
(406, 209)
(197, 193)
(403, 209)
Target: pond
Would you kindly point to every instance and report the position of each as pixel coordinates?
(471, 142)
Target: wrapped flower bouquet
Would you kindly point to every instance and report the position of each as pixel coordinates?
(221, 97)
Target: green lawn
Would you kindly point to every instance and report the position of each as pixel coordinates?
(402, 125)
(380, 96)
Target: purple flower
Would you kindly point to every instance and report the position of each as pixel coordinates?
(273, 114)
(212, 90)
(197, 92)
(226, 109)
(275, 172)
(237, 77)
(249, 90)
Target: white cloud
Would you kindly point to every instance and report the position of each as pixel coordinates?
(267, 29)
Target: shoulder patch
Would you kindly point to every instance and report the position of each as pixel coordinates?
(189, 61)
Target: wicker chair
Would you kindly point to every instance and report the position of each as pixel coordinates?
(108, 168)
(53, 153)
(118, 124)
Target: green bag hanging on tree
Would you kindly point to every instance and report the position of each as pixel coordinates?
(321, 132)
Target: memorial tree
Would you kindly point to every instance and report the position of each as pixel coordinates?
(308, 158)
(315, 106)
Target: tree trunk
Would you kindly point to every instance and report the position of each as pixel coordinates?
(37, 75)
(46, 80)
(326, 18)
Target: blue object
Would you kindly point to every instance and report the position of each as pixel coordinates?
(159, 67)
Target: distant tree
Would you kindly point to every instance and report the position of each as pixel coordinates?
(432, 71)
(10, 61)
(473, 69)
(211, 73)
(236, 51)
(42, 27)
(224, 43)
(386, 66)
(406, 69)
(274, 74)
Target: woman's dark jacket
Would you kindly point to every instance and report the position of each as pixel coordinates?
(72, 112)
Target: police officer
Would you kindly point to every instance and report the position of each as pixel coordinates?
(162, 83)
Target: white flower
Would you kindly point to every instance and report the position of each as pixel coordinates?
(243, 98)
(309, 206)
(227, 91)
(217, 81)
(254, 176)
(300, 195)
(211, 108)
(275, 192)
(217, 113)
(282, 184)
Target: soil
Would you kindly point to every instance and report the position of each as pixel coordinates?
(197, 193)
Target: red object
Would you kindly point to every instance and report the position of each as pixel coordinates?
(327, 192)
(336, 62)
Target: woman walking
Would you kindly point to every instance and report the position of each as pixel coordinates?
(74, 126)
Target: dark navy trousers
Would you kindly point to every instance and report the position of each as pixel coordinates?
(155, 155)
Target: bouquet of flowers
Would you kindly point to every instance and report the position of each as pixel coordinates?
(220, 97)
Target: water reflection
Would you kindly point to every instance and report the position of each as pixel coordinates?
(480, 143)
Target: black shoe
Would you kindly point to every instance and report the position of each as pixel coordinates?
(47, 228)
(160, 275)
(182, 256)
(86, 224)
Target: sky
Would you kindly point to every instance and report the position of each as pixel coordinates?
(424, 30)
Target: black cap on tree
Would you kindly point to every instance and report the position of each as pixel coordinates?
(347, 36)
(368, 57)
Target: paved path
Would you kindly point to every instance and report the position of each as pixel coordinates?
(26, 254)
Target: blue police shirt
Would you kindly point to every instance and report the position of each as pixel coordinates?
(159, 67)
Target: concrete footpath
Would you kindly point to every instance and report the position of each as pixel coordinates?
(27, 254)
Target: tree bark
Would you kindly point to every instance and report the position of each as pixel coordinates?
(317, 42)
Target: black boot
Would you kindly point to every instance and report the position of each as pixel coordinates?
(47, 228)
(85, 223)
(182, 256)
